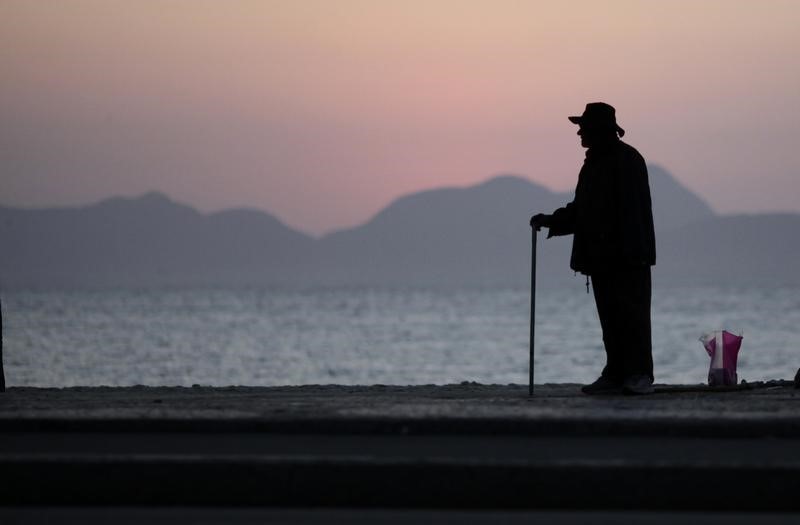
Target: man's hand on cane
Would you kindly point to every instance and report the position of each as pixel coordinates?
(540, 220)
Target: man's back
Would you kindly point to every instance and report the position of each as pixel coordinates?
(611, 216)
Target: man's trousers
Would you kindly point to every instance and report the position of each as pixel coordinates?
(622, 296)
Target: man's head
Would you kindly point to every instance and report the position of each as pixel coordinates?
(598, 123)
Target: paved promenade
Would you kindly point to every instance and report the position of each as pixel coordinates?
(769, 408)
(467, 446)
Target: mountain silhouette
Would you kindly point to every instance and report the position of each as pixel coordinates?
(442, 236)
(477, 235)
(145, 241)
(734, 249)
(673, 204)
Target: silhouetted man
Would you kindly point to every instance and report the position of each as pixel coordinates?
(611, 218)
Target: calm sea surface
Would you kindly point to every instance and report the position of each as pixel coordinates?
(371, 336)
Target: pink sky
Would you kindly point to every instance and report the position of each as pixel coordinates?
(322, 112)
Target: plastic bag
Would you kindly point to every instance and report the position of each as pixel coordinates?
(723, 348)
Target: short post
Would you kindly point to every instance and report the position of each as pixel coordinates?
(534, 229)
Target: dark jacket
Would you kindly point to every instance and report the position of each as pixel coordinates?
(611, 215)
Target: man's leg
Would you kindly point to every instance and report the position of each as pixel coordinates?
(635, 292)
(604, 285)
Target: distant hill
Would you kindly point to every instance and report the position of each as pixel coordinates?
(477, 235)
(673, 204)
(734, 249)
(146, 241)
(453, 235)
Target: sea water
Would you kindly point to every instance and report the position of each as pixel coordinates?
(372, 335)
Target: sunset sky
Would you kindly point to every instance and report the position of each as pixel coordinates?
(323, 111)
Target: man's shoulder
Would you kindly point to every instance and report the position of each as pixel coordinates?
(629, 151)
(624, 146)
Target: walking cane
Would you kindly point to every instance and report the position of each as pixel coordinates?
(534, 229)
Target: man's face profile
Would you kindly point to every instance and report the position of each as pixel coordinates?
(585, 135)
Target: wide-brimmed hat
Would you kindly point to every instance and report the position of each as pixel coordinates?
(598, 115)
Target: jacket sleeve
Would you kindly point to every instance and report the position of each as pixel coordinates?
(562, 221)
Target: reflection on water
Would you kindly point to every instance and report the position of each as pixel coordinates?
(369, 336)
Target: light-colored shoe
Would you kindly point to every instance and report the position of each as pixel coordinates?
(603, 385)
(638, 385)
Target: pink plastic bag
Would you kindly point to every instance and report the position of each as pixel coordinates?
(723, 347)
